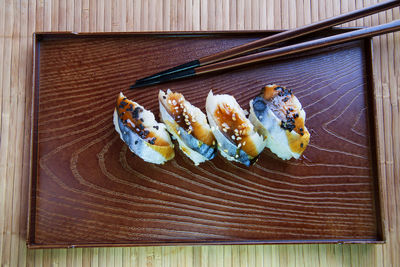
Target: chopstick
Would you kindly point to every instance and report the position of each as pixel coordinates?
(278, 52)
(271, 40)
(301, 47)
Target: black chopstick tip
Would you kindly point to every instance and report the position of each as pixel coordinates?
(134, 86)
(139, 84)
(166, 78)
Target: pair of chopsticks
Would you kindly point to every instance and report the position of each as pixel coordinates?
(224, 60)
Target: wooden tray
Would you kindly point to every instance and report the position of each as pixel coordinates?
(88, 189)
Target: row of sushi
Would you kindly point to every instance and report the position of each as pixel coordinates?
(276, 121)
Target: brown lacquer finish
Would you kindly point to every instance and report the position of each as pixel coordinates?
(88, 189)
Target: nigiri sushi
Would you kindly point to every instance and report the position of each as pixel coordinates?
(188, 125)
(144, 136)
(237, 140)
(278, 115)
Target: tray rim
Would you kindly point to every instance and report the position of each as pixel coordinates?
(372, 120)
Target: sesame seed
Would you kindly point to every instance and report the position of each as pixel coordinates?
(233, 137)
(236, 156)
(226, 150)
(176, 108)
(184, 110)
(224, 129)
(174, 102)
(239, 138)
(225, 125)
(239, 145)
(169, 102)
(244, 143)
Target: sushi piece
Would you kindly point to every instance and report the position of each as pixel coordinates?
(144, 136)
(278, 115)
(188, 125)
(237, 140)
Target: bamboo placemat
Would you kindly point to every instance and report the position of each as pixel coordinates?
(19, 19)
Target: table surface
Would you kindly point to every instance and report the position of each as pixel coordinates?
(19, 19)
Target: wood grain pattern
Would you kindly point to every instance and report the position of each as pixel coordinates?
(19, 19)
(89, 189)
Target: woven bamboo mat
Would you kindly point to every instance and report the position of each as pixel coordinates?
(19, 19)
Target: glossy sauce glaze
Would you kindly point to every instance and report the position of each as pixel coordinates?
(285, 106)
(236, 128)
(186, 118)
(131, 116)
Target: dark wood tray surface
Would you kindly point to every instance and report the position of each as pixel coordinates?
(88, 189)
